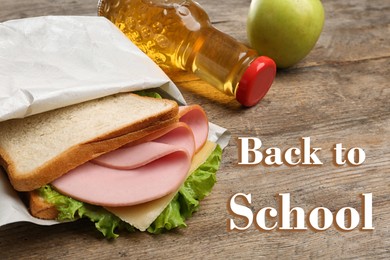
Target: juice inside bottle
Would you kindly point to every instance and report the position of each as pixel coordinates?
(177, 34)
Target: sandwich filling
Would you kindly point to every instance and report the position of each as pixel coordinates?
(134, 174)
(152, 184)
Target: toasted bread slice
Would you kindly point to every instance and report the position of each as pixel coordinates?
(38, 149)
(40, 208)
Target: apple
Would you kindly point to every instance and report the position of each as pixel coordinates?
(284, 30)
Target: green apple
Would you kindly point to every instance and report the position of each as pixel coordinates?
(285, 30)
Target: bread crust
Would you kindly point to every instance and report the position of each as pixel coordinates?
(40, 208)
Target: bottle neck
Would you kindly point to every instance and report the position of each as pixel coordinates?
(217, 58)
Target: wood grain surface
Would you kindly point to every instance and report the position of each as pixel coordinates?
(338, 94)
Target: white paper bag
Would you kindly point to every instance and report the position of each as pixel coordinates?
(56, 61)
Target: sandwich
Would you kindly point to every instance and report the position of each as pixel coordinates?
(126, 161)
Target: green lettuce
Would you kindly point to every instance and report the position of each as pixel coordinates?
(185, 203)
(148, 93)
(70, 210)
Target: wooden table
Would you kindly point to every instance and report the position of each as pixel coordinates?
(338, 94)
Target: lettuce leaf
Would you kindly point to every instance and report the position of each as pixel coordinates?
(70, 210)
(185, 203)
(148, 93)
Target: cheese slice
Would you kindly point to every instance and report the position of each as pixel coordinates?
(142, 216)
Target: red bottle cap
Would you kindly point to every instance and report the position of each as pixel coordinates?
(256, 81)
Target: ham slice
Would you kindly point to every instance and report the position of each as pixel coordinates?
(141, 172)
(129, 157)
(195, 117)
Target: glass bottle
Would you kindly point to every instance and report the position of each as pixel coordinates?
(177, 34)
